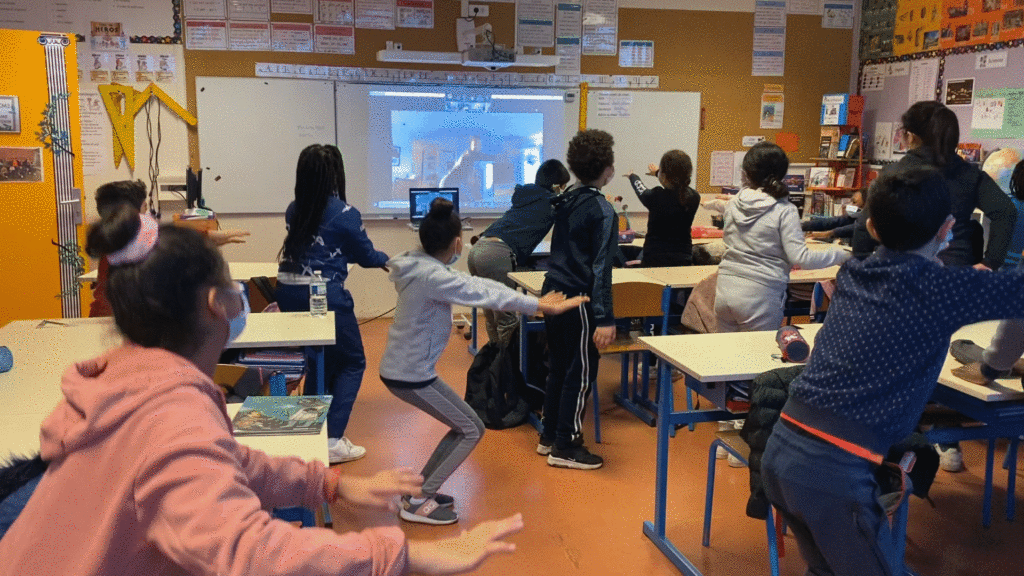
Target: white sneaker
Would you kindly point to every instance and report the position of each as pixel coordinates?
(720, 452)
(342, 450)
(950, 458)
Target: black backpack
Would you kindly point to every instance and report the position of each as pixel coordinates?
(492, 387)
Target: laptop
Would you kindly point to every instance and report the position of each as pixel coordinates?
(420, 199)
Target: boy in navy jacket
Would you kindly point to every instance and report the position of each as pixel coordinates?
(583, 243)
(875, 364)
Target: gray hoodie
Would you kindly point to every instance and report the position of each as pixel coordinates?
(763, 241)
(427, 288)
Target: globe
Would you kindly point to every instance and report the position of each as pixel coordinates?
(999, 165)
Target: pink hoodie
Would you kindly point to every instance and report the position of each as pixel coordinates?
(145, 477)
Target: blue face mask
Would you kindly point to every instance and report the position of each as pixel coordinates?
(451, 261)
(237, 324)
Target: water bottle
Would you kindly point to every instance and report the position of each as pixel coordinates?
(317, 295)
(794, 347)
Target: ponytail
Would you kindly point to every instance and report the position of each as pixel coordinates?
(937, 127)
(440, 226)
(765, 165)
(775, 187)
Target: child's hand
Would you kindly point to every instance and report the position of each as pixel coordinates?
(603, 336)
(652, 169)
(379, 490)
(555, 303)
(221, 237)
(465, 552)
(980, 266)
(628, 174)
(826, 235)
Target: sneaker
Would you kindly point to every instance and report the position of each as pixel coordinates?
(544, 446)
(577, 457)
(429, 511)
(965, 351)
(720, 453)
(443, 500)
(950, 458)
(342, 450)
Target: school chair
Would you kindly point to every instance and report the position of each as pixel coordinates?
(730, 441)
(633, 300)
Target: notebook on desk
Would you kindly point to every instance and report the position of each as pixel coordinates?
(420, 199)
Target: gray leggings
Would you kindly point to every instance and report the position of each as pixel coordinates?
(494, 259)
(440, 401)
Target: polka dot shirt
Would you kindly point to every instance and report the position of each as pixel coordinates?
(877, 359)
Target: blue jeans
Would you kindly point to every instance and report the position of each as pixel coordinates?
(830, 499)
(344, 362)
(12, 506)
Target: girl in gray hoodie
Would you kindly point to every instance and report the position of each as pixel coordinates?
(763, 241)
(427, 288)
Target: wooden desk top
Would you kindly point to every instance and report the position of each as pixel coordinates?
(722, 357)
(306, 446)
(1002, 390)
(533, 280)
(240, 271)
(639, 242)
(679, 276)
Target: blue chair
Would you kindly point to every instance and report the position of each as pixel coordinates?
(730, 441)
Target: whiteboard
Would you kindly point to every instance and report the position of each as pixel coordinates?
(251, 131)
(645, 126)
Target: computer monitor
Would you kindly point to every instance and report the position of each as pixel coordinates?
(420, 199)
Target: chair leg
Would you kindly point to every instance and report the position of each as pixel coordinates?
(709, 493)
(597, 414)
(689, 404)
(625, 384)
(780, 531)
(986, 511)
(1011, 481)
(773, 549)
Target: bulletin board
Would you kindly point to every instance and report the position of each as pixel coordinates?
(889, 103)
(1004, 82)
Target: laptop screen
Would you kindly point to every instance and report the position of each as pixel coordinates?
(420, 199)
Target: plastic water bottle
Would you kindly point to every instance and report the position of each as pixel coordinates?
(793, 346)
(318, 295)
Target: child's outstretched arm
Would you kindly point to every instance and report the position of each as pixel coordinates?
(465, 552)
(555, 303)
(377, 491)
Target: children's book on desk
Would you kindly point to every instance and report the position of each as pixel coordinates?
(279, 415)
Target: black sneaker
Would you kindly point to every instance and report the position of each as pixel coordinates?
(966, 351)
(577, 457)
(544, 446)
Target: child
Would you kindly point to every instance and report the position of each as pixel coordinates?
(875, 364)
(672, 207)
(839, 226)
(763, 242)
(325, 233)
(507, 243)
(583, 243)
(427, 288)
(144, 475)
(132, 193)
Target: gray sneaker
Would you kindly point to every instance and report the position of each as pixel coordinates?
(965, 351)
(427, 512)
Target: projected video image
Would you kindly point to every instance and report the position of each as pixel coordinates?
(484, 155)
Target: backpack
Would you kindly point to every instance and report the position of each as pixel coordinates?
(493, 383)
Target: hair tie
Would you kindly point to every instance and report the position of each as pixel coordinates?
(140, 246)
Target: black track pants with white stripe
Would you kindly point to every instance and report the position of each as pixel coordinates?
(573, 359)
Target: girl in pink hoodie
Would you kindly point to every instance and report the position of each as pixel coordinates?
(144, 475)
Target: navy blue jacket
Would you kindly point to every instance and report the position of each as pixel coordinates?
(526, 223)
(877, 359)
(841, 226)
(583, 244)
(341, 239)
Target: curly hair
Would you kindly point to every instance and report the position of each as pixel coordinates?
(590, 153)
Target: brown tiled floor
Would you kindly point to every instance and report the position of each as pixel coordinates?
(590, 522)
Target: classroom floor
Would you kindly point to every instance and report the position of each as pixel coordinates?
(589, 522)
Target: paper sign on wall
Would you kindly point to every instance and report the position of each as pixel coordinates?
(772, 107)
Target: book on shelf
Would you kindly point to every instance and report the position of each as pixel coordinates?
(969, 151)
(279, 415)
(832, 136)
(853, 148)
(820, 177)
(845, 178)
(834, 109)
(824, 146)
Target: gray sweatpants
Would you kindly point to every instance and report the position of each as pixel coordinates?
(494, 259)
(1007, 345)
(442, 403)
(742, 305)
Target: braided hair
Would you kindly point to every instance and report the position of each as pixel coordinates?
(316, 180)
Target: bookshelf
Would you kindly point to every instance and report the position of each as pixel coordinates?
(838, 169)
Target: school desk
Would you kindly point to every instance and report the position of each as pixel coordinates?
(44, 349)
(709, 361)
(239, 271)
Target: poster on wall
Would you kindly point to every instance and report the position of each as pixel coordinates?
(292, 6)
(21, 165)
(535, 23)
(973, 22)
(1004, 108)
(960, 92)
(877, 21)
(375, 14)
(636, 53)
(96, 133)
(600, 27)
(917, 27)
(837, 15)
(206, 35)
(107, 37)
(258, 10)
(138, 18)
(335, 12)
(10, 115)
(882, 148)
(249, 36)
(214, 9)
(772, 107)
(291, 37)
(415, 13)
(334, 39)
(924, 78)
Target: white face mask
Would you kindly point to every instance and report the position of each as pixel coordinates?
(451, 261)
(852, 211)
(237, 324)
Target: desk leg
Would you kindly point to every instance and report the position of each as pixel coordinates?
(320, 384)
(986, 510)
(1011, 483)
(472, 331)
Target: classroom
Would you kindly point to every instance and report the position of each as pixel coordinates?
(651, 286)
